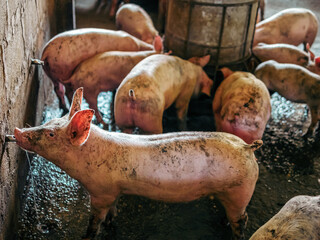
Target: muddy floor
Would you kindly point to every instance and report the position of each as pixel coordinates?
(57, 207)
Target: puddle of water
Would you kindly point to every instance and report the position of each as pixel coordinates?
(57, 207)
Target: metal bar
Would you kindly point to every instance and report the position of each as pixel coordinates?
(186, 43)
(10, 138)
(216, 63)
(221, 4)
(247, 32)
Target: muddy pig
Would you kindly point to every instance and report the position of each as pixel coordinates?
(242, 106)
(153, 85)
(298, 219)
(133, 19)
(65, 51)
(293, 26)
(294, 83)
(104, 72)
(173, 167)
(287, 53)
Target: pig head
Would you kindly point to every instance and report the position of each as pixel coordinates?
(241, 105)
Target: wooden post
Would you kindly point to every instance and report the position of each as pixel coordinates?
(65, 15)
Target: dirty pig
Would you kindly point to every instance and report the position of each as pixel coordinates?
(287, 53)
(241, 105)
(294, 83)
(293, 26)
(173, 167)
(104, 72)
(134, 20)
(65, 51)
(153, 85)
(298, 219)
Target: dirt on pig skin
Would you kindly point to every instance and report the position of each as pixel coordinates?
(57, 207)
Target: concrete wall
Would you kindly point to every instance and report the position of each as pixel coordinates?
(24, 29)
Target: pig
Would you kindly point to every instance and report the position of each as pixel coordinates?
(153, 85)
(282, 53)
(294, 83)
(287, 53)
(172, 167)
(292, 26)
(134, 20)
(104, 72)
(63, 53)
(242, 106)
(262, 5)
(298, 219)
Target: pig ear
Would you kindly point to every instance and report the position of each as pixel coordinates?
(157, 44)
(226, 72)
(201, 61)
(79, 127)
(76, 102)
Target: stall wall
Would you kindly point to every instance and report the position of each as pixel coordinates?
(24, 29)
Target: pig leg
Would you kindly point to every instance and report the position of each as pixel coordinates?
(59, 90)
(182, 104)
(235, 201)
(153, 126)
(69, 92)
(314, 120)
(93, 104)
(112, 120)
(99, 211)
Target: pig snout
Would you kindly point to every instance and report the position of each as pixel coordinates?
(22, 139)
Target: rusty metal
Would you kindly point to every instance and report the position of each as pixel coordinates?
(183, 30)
(10, 138)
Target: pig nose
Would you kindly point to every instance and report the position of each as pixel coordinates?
(17, 134)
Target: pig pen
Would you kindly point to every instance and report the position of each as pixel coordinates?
(57, 207)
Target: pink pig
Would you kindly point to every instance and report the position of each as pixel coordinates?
(134, 20)
(104, 72)
(153, 85)
(293, 26)
(242, 106)
(174, 167)
(294, 83)
(63, 53)
(287, 53)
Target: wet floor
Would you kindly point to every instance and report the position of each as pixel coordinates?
(57, 207)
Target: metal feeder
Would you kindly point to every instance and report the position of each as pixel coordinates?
(222, 28)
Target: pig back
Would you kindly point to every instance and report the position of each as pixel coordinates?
(66, 50)
(292, 26)
(196, 163)
(282, 53)
(160, 76)
(244, 100)
(291, 81)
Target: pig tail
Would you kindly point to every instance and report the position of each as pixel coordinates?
(132, 95)
(256, 144)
